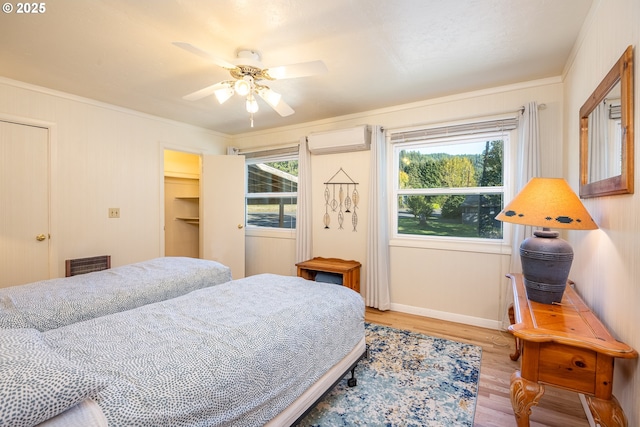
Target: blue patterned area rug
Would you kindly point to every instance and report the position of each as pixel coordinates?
(409, 379)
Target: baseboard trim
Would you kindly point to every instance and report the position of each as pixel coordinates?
(450, 317)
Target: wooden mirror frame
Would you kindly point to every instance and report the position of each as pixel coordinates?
(621, 72)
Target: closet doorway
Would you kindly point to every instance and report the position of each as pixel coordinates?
(204, 208)
(181, 204)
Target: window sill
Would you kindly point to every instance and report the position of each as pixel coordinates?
(274, 233)
(453, 244)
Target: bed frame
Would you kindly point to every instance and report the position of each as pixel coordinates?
(351, 382)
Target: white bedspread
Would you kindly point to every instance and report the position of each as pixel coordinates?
(235, 354)
(85, 414)
(53, 303)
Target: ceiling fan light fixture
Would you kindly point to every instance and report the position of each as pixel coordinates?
(252, 105)
(223, 94)
(247, 73)
(243, 87)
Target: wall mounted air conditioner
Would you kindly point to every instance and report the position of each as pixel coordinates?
(340, 141)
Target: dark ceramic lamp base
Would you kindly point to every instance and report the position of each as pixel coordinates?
(546, 261)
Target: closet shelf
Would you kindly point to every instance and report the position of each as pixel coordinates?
(190, 220)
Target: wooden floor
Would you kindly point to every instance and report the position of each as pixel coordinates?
(557, 408)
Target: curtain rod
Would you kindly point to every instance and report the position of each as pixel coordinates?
(540, 107)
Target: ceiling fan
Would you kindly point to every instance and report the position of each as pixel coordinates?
(248, 79)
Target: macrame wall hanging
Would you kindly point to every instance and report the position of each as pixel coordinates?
(341, 196)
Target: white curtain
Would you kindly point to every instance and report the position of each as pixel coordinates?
(527, 167)
(605, 141)
(599, 144)
(304, 231)
(376, 285)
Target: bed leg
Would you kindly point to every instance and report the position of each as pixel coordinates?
(352, 382)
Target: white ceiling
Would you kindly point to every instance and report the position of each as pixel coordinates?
(379, 53)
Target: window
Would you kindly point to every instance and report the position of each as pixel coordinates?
(450, 182)
(272, 188)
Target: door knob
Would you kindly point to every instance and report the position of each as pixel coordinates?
(40, 237)
(240, 226)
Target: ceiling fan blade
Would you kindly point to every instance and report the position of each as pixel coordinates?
(191, 48)
(302, 69)
(283, 109)
(209, 90)
(275, 101)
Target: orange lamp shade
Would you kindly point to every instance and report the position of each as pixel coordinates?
(548, 203)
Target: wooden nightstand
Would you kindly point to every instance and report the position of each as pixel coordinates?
(564, 345)
(350, 270)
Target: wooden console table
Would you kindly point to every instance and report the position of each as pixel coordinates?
(564, 345)
(350, 270)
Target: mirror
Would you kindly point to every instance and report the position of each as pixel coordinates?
(606, 133)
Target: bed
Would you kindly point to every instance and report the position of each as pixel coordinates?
(50, 304)
(249, 352)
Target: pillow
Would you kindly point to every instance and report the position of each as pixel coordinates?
(35, 382)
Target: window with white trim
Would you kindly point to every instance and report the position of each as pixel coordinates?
(271, 188)
(449, 182)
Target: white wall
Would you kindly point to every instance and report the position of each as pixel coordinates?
(606, 266)
(460, 284)
(270, 252)
(104, 156)
(345, 243)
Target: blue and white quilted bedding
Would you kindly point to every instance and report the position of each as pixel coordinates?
(235, 354)
(53, 303)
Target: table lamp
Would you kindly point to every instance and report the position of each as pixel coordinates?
(546, 258)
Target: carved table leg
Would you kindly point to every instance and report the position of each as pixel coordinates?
(607, 413)
(524, 395)
(512, 319)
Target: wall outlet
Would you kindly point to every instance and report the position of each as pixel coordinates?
(114, 212)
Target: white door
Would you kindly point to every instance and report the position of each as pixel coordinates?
(222, 211)
(24, 197)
